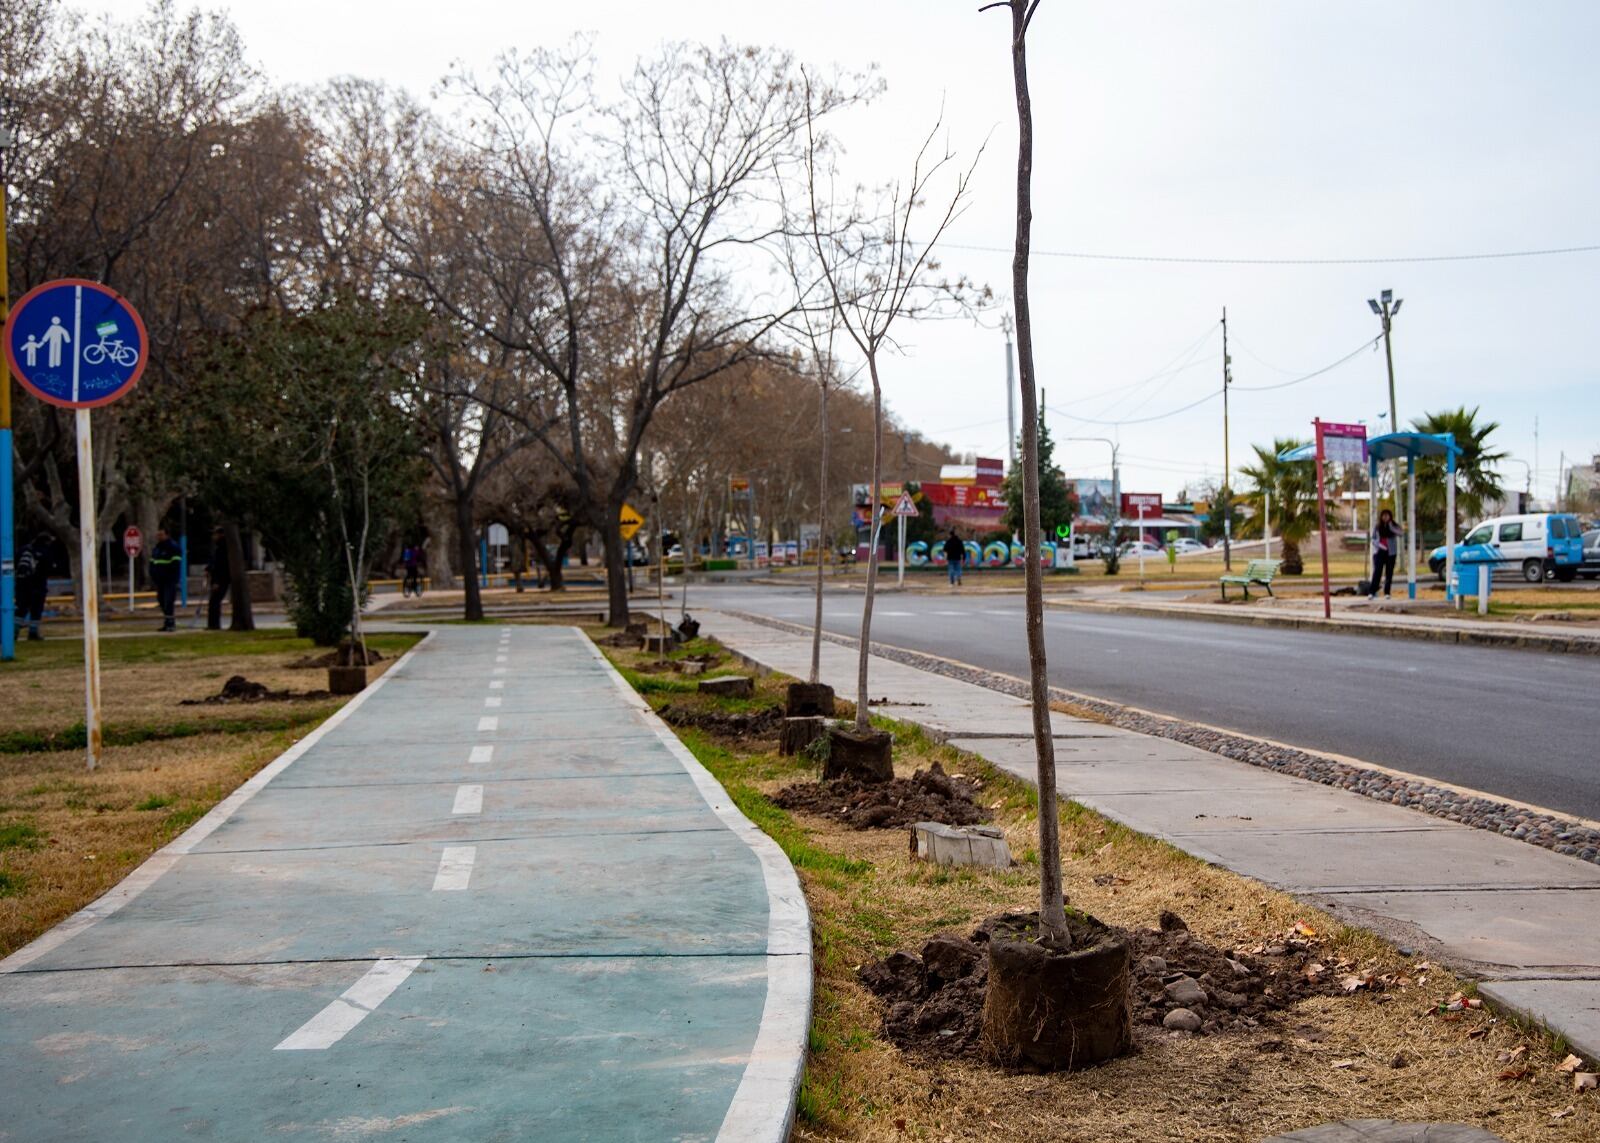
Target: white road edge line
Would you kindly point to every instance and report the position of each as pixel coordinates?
(469, 800)
(165, 858)
(488, 723)
(455, 868)
(357, 1002)
(772, 1076)
(480, 755)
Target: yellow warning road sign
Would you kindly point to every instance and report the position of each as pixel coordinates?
(630, 520)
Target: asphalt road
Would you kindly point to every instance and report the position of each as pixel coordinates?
(1521, 724)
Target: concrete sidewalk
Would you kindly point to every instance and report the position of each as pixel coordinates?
(492, 898)
(1556, 637)
(1521, 917)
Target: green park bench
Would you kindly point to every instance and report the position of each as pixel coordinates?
(1257, 571)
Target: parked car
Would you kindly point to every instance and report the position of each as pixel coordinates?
(1590, 567)
(1133, 549)
(1539, 545)
(1185, 546)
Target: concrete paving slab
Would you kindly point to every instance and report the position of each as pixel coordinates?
(1261, 808)
(1573, 1006)
(1153, 759)
(551, 1049)
(1527, 929)
(317, 817)
(1428, 858)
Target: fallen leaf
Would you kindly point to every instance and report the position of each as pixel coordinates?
(1563, 1113)
(1570, 1064)
(1304, 929)
(1352, 983)
(1585, 1081)
(1103, 850)
(1514, 1054)
(1477, 1033)
(1517, 1073)
(1314, 970)
(1345, 1063)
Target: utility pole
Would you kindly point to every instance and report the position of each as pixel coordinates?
(8, 578)
(1531, 475)
(1225, 495)
(1011, 400)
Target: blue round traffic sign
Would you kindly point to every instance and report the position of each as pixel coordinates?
(75, 343)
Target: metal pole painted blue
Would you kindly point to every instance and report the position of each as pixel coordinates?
(183, 552)
(8, 574)
(483, 561)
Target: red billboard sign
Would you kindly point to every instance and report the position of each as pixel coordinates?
(990, 471)
(963, 495)
(1149, 501)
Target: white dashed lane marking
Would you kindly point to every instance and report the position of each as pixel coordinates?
(455, 867)
(499, 670)
(493, 701)
(497, 684)
(480, 755)
(500, 659)
(469, 800)
(329, 1026)
(488, 723)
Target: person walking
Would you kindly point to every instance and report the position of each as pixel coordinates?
(1385, 548)
(220, 574)
(33, 582)
(411, 557)
(166, 563)
(955, 554)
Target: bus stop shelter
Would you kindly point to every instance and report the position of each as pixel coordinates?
(1410, 446)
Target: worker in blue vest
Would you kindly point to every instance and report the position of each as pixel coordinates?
(166, 564)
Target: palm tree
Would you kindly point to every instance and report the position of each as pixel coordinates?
(1293, 487)
(1476, 480)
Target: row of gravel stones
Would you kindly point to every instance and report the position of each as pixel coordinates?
(1562, 836)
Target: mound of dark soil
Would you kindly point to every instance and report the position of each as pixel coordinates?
(240, 689)
(929, 795)
(934, 1001)
(762, 723)
(343, 655)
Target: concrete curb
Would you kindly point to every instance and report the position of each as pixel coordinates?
(1519, 640)
(153, 867)
(763, 1106)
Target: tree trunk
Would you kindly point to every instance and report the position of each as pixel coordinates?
(441, 577)
(1293, 562)
(863, 715)
(822, 531)
(616, 567)
(469, 558)
(1052, 916)
(243, 617)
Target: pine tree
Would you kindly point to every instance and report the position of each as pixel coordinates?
(1058, 503)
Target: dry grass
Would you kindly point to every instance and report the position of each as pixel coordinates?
(67, 835)
(1382, 1055)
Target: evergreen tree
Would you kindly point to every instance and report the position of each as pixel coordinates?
(1058, 503)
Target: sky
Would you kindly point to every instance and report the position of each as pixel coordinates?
(1171, 129)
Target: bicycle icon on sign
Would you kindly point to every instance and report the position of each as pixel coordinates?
(110, 348)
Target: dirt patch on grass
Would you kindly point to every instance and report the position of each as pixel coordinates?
(239, 689)
(933, 1000)
(928, 795)
(730, 725)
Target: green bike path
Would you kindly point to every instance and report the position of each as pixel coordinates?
(492, 898)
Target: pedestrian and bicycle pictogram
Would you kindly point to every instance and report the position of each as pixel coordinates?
(75, 343)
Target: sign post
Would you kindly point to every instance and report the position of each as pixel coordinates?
(1138, 503)
(48, 348)
(132, 545)
(904, 509)
(1346, 444)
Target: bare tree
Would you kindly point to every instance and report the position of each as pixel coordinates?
(1052, 914)
(877, 272)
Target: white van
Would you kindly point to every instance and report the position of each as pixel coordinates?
(1537, 545)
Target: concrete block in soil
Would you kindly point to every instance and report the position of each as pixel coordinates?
(729, 686)
(808, 699)
(798, 733)
(347, 680)
(1057, 1009)
(960, 845)
(657, 644)
(866, 756)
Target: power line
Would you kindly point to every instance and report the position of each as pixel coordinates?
(1363, 347)
(1140, 420)
(1090, 256)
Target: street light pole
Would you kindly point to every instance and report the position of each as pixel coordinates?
(8, 576)
(1116, 484)
(1011, 400)
(1386, 306)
